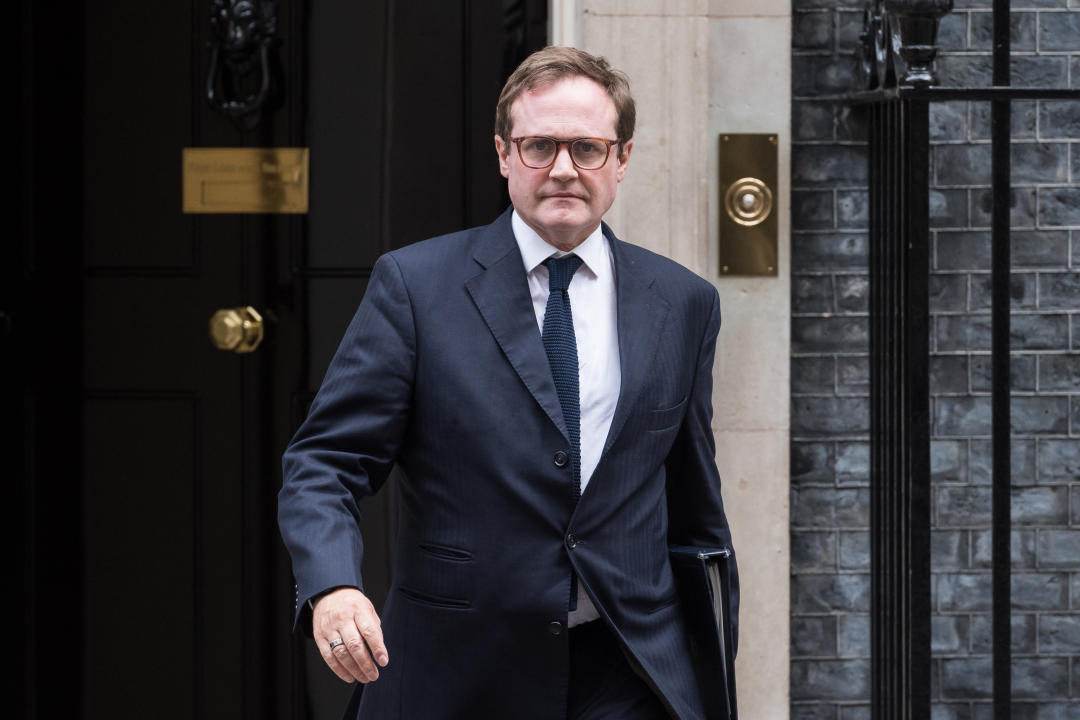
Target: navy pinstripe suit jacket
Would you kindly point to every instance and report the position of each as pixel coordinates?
(442, 371)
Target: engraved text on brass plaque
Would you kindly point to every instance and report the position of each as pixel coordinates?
(245, 180)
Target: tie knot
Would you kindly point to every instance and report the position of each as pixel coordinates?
(561, 271)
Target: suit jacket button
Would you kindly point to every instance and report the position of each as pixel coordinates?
(571, 541)
(561, 458)
(555, 628)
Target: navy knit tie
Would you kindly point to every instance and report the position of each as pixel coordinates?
(561, 348)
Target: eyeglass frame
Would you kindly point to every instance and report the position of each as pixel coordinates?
(558, 148)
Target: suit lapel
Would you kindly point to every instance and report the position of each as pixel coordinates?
(501, 294)
(641, 313)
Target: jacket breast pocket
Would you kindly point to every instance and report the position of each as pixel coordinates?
(666, 418)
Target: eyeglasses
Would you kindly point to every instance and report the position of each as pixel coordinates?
(539, 152)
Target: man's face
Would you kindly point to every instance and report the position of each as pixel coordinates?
(562, 203)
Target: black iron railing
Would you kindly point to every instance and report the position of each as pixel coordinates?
(899, 44)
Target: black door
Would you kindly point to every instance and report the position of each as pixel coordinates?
(149, 460)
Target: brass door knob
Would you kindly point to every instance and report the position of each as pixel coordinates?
(239, 330)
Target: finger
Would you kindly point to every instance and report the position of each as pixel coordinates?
(359, 654)
(371, 631)
(332, 662)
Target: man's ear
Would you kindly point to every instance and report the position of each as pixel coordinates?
(503, 151)
(624, 160)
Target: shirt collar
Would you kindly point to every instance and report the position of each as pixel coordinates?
(535, 250)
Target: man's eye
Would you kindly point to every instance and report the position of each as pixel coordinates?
(587, 147)
(539, 146)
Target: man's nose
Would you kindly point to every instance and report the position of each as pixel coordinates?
(563, 168)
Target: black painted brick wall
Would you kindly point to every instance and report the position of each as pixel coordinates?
(830, 672)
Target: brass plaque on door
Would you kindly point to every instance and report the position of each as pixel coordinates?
(245, 180)
(748, 224)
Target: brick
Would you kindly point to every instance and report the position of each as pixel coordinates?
(963, 164)
(1074, 149)
(948, 121)
(1059, 31)
(813, 551)
(1074, 415)
(811, 210)
(1021, 31)
(1058, 206)
(853, 293)
(819, 165)
(963, 592)
(855, 712)
(963, 332)
(813, 120)
(854, 551)
(965, 70)
(812, 462)
(1021, 120)
(1059, 373)
(1021, 373)
(1043, 678)
(829, 334)
(830, 508)
(949, 634)
(961, 416)
(1022, 292)
(1059, 549)
(852, 375)
(1048, 710)
(948, 208)
(812, 294)
(1022, 467)
(830, 593)
(1059, 633)
(1040, 506)
(1074, 518)
(966, 677)
(1076, 234)
(1074, 71)
(1021, 207)
(962, 250)
(948, 292)
(950, 711)
(1023, 633)
(814, 75)
(852, 209)
(813, 636)
(1040, 591)
(948, 461)
(852, 124)
(963, 506)
(814, 711)
(1059, 119)
(1045, 71)
(1037, 415)
(1059, 460)
(948, 374)
(849, 25)
(949, 549)
(1039, 162)
(831, 679)
(1038, 332)
(1075, 582)
(840, 252)
(814, 375)
(852, 463)
(853, 636)
(953, 32)
(812, 31)
(1039, 248)
(1021, 549)
(1060, 290)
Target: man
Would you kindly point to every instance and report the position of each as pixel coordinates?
(546, 390)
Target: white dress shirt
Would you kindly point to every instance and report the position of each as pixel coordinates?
(592, 303)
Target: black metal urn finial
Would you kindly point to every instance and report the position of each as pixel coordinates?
(917, 21)
(240, 81)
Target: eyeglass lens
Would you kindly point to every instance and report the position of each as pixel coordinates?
(586, 154)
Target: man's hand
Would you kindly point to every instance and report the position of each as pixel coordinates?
(346, 613)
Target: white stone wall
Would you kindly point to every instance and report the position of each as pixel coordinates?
(699, 68)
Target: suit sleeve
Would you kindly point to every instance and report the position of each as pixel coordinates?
(346, 447)
(695, 507)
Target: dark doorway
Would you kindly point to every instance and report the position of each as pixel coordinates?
(147, 460)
